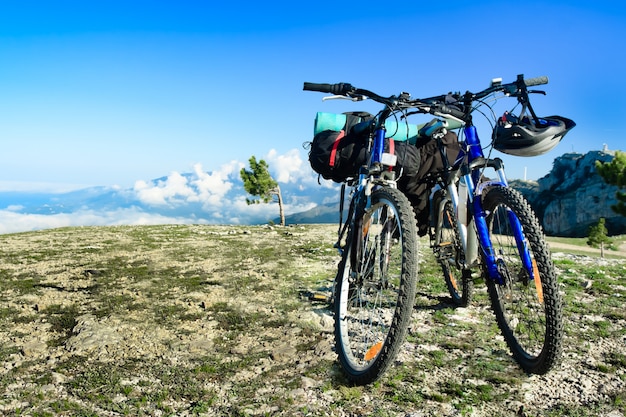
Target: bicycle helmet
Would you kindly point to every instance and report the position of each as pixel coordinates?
(529, 136)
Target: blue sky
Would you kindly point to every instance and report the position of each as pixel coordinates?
(111, 93)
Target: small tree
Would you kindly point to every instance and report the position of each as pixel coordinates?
(258, 182)
(614, 173)
(598, 236)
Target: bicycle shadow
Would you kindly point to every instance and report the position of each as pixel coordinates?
(439, 302)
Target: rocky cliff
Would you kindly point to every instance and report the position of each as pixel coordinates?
(573, 196)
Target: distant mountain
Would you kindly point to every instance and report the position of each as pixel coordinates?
(573, 196)
(567, 200)
(201, 197)
(66, 202)
(324, 213)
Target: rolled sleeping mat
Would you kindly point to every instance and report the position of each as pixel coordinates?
(329, 121)
(398, 131)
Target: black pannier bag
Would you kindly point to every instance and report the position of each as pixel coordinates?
(337, 154)
(407, 165)
(417, 182)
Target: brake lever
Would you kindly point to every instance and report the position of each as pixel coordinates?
(341, 97)
(536, 92)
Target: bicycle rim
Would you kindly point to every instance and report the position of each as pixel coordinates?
(527, 305)
(376, 288)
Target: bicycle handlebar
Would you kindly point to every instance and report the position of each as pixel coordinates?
(437, 104)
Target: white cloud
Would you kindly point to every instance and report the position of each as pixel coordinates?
(172, 190)
(287, 167)
(292, 168)
(215, 197)
(207, 188)
(212, 187)
(11, 222)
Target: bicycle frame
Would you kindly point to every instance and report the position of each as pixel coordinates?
(477, 235)
(360, 200)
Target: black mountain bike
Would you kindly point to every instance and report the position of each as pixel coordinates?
(374, 289)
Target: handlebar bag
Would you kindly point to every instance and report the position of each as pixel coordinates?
(336, 154)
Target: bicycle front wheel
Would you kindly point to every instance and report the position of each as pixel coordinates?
(527, 305)
(375, 287)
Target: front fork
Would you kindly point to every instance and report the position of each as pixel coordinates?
(479, 217)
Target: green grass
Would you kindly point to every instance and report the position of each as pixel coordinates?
(610, 252)
(241, 288)
(582, 241)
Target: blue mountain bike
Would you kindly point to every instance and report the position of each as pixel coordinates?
(475, 223)
(480, 222)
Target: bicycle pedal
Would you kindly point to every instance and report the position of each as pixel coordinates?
(319, 296)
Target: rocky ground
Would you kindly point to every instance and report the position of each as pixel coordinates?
(216, 320)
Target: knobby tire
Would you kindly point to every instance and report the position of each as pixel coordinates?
(375, 287)
(528, 314)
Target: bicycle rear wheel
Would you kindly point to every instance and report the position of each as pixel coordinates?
(375, 287)
(449, 254)
(527, 307)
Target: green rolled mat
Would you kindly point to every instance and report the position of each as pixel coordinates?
(398, 131)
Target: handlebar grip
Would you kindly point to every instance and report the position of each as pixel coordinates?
(454, 112)
(536, 81)
(339, 88)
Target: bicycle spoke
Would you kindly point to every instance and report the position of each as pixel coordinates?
(376, 288)
(527, 305)
(449, 253)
